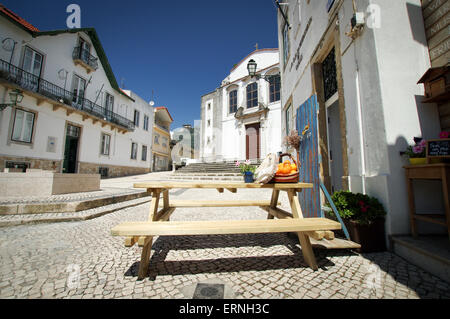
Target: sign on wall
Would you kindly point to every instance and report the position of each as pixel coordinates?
(438, 148)
(436, 15)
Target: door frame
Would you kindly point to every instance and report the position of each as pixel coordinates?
(77, 166)
(258, 134)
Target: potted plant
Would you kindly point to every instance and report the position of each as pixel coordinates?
(248, 170)
(364, 217)
(417, 153)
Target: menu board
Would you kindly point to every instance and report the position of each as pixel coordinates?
(438, 148)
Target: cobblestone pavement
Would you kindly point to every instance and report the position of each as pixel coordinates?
(82, 260)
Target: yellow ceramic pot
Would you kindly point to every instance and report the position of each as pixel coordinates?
(418, 161)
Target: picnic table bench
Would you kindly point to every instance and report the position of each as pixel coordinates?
(158, 223)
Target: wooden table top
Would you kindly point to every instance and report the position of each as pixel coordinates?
(212, 185)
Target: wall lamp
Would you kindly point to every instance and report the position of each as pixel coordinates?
(251, 67)
(15, 96)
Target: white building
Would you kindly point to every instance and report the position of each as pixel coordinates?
(74, 118)
(365, 80)
(241, 119)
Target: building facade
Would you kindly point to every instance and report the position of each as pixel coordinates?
(241, 118)
(161, 140)
(364, 73)
(73, 118)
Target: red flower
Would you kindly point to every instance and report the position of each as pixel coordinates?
(444, 135)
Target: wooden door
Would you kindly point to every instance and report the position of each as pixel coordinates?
(253, 141)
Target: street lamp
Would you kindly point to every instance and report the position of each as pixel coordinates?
(251, 67)
(15, 96)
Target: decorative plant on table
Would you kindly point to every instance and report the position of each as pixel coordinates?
(417, 153)
(248, 170)
(364, 218)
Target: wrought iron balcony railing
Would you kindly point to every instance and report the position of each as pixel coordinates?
(84, 55)
(31, 82)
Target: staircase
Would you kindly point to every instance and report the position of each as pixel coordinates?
(219, 171)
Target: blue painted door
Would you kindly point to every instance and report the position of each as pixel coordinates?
(307, 116)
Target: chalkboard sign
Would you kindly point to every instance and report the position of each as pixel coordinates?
(438, 148)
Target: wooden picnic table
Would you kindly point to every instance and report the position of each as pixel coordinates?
(158, 223)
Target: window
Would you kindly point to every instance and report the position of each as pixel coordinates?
(164, 142)
(78, 87)
(136, 118)
(329, 75)
(233, 101)
(106, 142)
(157, 139)
(146, 118)
(209, 123)
(285, 44)
(274, 87)
(252, 95)
(144, 153)
(134, 151)
(209, 106)
(23, 126)
(109, 103)
(32, 62)
(288, 119)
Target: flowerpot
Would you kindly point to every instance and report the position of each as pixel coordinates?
(370, 237)
(249, 177)
(418, 161)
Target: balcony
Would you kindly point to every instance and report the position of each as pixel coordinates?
(162, 127)
(43, 88)
(85, 59)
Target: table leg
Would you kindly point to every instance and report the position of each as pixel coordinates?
(305, 243)
(145, 258)
(147, 247)
(274, 202)
(412, 206)
(445, 193)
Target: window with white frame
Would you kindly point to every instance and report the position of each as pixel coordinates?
(136, 118)
(233, 101)
(23, 126)
(274, 88)
(134, 148)
(285, 43)
(156, 141)
(252, 95)
(144, 153)
(78, 87)
(109, 103)
(146, 119)
(105, 144)
(32, 62)
(288, 119)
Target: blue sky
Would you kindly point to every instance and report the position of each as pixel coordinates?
(180, 49)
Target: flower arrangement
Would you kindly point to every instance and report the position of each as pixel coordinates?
(293, 140)
(362, 209)
(246, 167)
(418, 150)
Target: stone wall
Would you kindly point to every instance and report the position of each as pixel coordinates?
(113, 170)
(34, 163)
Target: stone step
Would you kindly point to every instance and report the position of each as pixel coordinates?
(68, 203)
(16, 220)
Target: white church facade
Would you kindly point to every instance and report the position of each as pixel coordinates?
(242, 118)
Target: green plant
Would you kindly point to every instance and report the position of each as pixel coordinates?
(360, 208)
(246, 167)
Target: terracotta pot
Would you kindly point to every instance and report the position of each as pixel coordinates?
(370, 237)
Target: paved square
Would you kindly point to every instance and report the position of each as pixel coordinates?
(82, 260)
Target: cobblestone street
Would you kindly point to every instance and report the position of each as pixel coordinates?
(82, 260)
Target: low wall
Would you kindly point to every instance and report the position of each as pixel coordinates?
(46, 183)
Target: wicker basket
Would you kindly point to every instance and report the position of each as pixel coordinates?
(287, 178)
